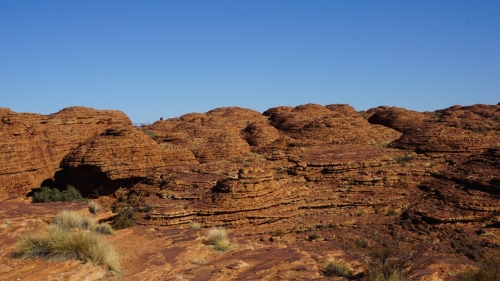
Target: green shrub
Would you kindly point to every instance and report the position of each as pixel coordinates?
(71, 194)
(487, 270)
(337, 267)
(58, 244)
(219, 239)
(124, 219)
(47, 194)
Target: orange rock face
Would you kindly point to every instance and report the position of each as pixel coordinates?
(313, 124)
(218, 134)
(117, 157)
(291, 184)
(453, 130)
(33, 145)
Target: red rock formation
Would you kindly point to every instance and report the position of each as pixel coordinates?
(452, 130)
(278, 179)
(260, 134)
(33, 145)
(216, 135)
(313, 124)
(107, 161)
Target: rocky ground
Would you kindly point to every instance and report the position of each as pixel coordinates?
(295, 187)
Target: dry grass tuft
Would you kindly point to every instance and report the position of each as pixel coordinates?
(199, 260)
(103, 228)
(71, 235)
(336, 267)
(93, 206)
(219, 239)
(195, 225)
(68, 220)
(57, 244)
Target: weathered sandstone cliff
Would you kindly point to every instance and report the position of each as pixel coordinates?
(275, 179)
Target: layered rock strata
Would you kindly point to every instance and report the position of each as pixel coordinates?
(218, 134)
(453, 130)
(33, 145)
(117, 157)
(313, 124)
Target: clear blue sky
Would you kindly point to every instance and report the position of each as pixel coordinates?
(155, 59)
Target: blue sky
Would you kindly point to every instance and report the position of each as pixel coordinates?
(153, 59)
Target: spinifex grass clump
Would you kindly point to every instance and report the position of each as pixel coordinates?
(93, 206)
(68, 220)
(335, 267)
(71, 235)
(219, 239)
(103, 228)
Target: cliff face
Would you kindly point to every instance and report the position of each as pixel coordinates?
(273, 176)
(324, 159)
(118, 157)
(33, 145)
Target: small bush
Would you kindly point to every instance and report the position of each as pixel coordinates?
(58, 244)
(313, 237)
(93, 207)
(487, 270)
(151, 134)
(47, 194)
(403, 159)
(124, 219)
(391, 212)
(103, 228)
(71, 194)
(436, 115)
(218, 238)
(388, 258)
(336, 267)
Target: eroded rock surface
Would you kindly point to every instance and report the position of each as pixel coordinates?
(314, 124)
(118, 157)
(217, 134)
(293, 185)
(456, 129)
(33, 145)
